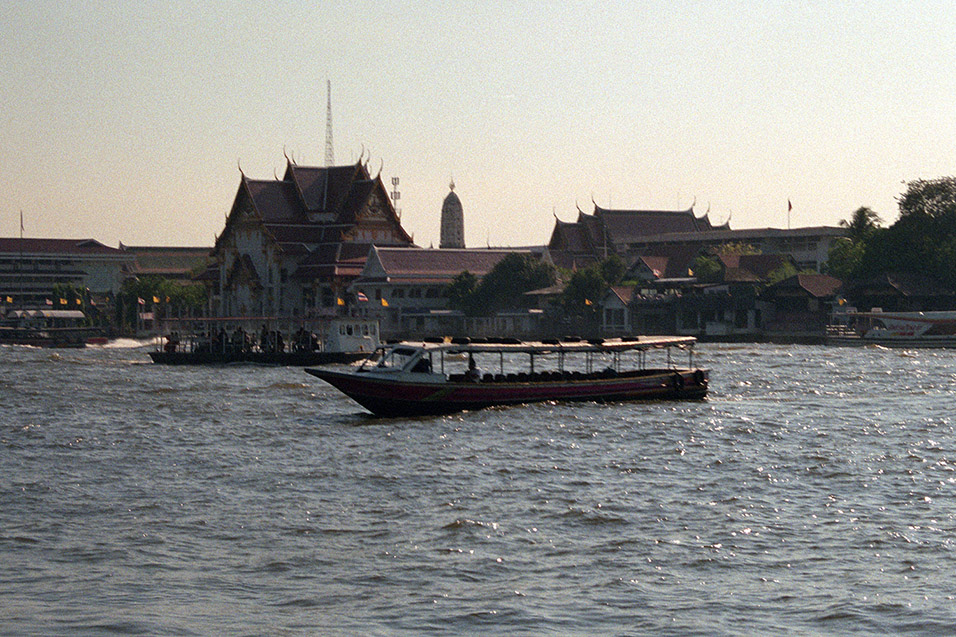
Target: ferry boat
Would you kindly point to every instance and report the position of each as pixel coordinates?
(224, 341)
(47, 328)
(425, 378)
(893, 329)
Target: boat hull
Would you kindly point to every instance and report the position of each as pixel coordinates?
(385, 396)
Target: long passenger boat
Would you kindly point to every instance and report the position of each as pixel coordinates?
(424, 378)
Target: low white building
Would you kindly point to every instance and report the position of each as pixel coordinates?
(31, 268)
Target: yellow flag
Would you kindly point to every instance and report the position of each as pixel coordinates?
(587, 302)
(9, 299)
(155, 299)
(79, 302)
(384, 302)
(340, 301)
(62, 301)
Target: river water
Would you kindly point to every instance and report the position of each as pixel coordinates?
(814, 492)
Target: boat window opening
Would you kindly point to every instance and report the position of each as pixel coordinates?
(365, 330)
(397, 357)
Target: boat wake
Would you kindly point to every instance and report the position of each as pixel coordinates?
(127, 343)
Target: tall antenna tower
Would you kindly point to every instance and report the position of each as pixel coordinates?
(329, 150)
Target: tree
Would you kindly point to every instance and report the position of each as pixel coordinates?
(613, 269)
(461, 292)
(782, 273)
(587, 287)
(174, 297)
(845, 258)
(736, 247)
(862, 223)
(934, 199)
(583, 292)
(922, 241)
(504, 286)
(706, 268)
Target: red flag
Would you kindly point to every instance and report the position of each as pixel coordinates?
(789, 206)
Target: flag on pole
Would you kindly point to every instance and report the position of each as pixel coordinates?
(21, 224)
(340, 301)
(384, 302)
(789, 206)
(155, 299)
(361, 296)
(140, 300)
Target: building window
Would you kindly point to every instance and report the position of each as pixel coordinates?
(398, 293)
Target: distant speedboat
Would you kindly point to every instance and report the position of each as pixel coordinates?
(421, 378)
(893, 329)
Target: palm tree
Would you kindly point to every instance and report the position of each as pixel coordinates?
(861, 223)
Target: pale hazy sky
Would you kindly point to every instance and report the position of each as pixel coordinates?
(124, 121)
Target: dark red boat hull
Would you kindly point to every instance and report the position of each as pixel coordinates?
(385, 396)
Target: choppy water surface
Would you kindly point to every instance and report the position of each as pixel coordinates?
(813, 492)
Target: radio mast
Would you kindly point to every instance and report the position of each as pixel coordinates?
(329, 151)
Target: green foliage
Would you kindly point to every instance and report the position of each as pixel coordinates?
(933, 200)
(785, 271)
(613, 269)
(922, 241)
(735, 247)
(174, 298)
(461, 292)
(706, 268)
(503, 288)
(862, 223)
(586, 288)
(844, 259)
(583, 292)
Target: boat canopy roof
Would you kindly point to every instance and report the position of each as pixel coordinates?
(57, 314)
(541, 347)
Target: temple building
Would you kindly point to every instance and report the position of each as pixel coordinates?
(292, 246)
(595, 237)
(676, 236)
(452, 222)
